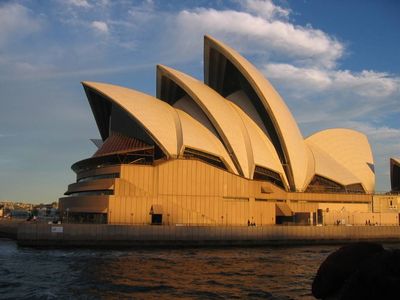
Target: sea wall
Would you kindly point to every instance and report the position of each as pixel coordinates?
(75, 235)
(9, 228)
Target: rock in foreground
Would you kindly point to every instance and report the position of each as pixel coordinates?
(345, 271)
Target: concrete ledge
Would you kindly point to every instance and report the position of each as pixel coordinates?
(92, 235)
(9, 228)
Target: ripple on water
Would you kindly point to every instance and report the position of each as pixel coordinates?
(237, 273)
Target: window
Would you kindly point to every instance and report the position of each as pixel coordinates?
(100, 176)
(206, 157)
(92, 193)
(264, 174)
(321, 184)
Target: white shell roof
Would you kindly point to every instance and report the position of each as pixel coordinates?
(264, 153)
(191, 108)
(233, 129)
(198, 137)
(158, 119)
(328, 167)
(223, 117)
(241, 100)
(285, 125)
(350, 149)
(164, 123)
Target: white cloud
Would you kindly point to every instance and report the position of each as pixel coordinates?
(367, 83)
(266, 9)
(79, 3)
(100, 26)
(310, 80)
(301, 78)
(377, 133)
(252, 33)
(322, 98)
(16, 21)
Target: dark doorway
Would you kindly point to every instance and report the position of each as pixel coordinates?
(320, 217)
(284, 220)
(156, 219)
(302, 218)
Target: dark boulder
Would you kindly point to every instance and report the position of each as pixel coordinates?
(339, 266)
(376, 278)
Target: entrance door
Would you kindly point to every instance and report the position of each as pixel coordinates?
(156, 219)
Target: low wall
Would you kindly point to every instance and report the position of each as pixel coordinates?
(9, 228)
(75, 235)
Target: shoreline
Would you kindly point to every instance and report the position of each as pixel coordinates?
(147, 236)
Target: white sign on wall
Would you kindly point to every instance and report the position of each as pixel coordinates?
(57, 229)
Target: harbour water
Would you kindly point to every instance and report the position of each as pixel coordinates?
(197, 273)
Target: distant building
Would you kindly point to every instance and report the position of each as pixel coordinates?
(395, 174)
(19, 214)
(224, 152)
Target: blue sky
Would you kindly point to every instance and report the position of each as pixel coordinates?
(336, 64)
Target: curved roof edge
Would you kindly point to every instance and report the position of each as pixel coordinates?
(328, 167)
(289, 134)
(351, 150)
(197, 136)
(223, 117)
(264, 153)
(158, 119)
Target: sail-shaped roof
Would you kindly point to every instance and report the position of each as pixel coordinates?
(264, 153)
(196, 136)
(158, 119)
(223, 117)
(236, 121)
(327, 167)
(351, 150)
(226, 71)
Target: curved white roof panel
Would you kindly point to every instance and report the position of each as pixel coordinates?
(264, 153)
(236, 120)
(157, 118)
(350, 149)
(223, 117)
(291, 144)
(329, 168)
(198, 137)
(240, 99)
(190, 107)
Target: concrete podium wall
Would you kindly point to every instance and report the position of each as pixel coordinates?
(40, 234)
(190, 191)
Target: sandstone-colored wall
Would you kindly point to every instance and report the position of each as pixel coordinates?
(41, 234)
(360, 218)
(386, 203)
(193, 192)
(190, 192)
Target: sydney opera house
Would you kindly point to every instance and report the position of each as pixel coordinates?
(223, 151)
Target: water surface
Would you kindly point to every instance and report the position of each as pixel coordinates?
(236, 273)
